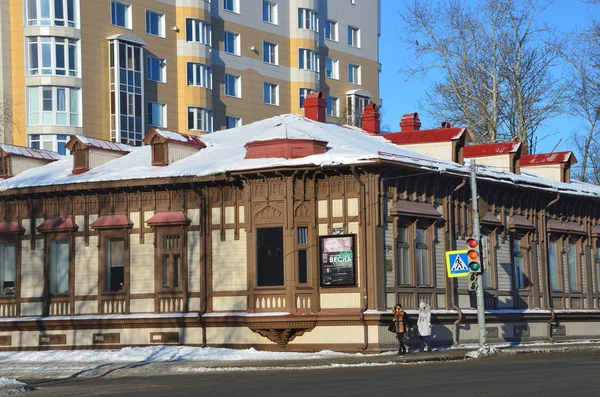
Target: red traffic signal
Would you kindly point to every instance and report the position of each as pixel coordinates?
(473, 256)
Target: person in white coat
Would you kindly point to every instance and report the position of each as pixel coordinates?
(424, 325)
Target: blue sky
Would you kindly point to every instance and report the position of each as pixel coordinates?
(401, 96)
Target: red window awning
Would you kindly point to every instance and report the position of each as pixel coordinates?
(169, 218)
(57, 225)
(112, 222)
(11, 228)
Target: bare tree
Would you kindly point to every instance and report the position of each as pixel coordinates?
(493, 62)
(6, 119)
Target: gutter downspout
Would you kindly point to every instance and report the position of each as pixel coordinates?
(458, 321)
(203, 309)
(548, 292)
(363, 220)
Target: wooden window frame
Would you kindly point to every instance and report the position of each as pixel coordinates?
(411, 225)
(596, 265)
(104, 236)
(492, 263)
(268, 226)
(578, 242)
(525, 262)
(48, 238)
(16, 240)
(161, 231)
(306, 248)
(558, 240)
(397, 247)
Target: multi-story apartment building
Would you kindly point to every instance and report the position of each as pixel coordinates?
(112, 69)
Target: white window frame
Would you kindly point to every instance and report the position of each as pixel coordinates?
(161, 23)
(51, 117)
(150, 113)
(308, 19)
(333, 30)
(353, 40)
(333, 106)
(128, 12)
(308, 59)
(53, 42)
(235, 6)
(197, 28)
(206, 120)
(52, 20)
(270, 12)
(335, 68)
(204, 72)
(352, 79)
(236, 120)
(53, 142)
(236, 43)
(273, 92)
(237, 85)
(162, 64)
(271, 52)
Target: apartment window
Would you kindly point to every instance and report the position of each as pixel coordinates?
(52, 13)
(8, 263)
(307, 19)
(155, 23)
(271, 94)
(232, 122)
(518, 269)
(232, 43)
(233, 86)
(59, 267)
(270, 53)
(55, 143)
(331, 30)
(332, 69)
(402, 263)
(574, 266)
(170, 253)
(302, 242)
(199, 75)
(269, 12)
(157, 114)
(333, 106)
(308, 59)
(53, 106)
(199, 119)
(232, 5)
(120, 14)
(197, 31)
(302, 93)
(53, 56)
(126, 64)
(269, 256)
(156, 69)
(353, 73)
(353, 37)
(114, 258)
(421, 257)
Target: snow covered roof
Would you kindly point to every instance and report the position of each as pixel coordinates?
(39, 154)
(100, 144)
(225, 151)
(426, 136)
(175, 137)
(128, 37)
(491, 149)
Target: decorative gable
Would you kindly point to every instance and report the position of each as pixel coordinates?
(554, 166)
(171, 146)
(89, 153)
(16, 159)
(505, 156)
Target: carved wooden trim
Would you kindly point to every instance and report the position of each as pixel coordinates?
(281, 336)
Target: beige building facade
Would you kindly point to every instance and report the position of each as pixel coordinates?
(113, 69)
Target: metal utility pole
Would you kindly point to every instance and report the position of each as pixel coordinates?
(477, 236)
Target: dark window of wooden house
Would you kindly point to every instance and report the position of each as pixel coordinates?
(302, 255)
(79, 159)
(269, 256)
(115, 264)
(170, 261)
(159, 153)
(8, 265)
(5, 166)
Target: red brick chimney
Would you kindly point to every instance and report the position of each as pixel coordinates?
(410, 122)
(315, 107)
(370, 119)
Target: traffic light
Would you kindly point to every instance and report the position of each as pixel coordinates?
(473, 282)
(473, 256)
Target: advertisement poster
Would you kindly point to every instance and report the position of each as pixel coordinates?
(337, 260)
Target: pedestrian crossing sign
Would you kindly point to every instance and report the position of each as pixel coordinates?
(457, 263)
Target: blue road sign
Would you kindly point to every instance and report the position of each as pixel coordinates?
(457, 263)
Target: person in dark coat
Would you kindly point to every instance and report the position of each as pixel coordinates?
(402, 324)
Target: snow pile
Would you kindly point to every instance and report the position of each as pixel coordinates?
(158, 354)
(484, 351)
(9, 382)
